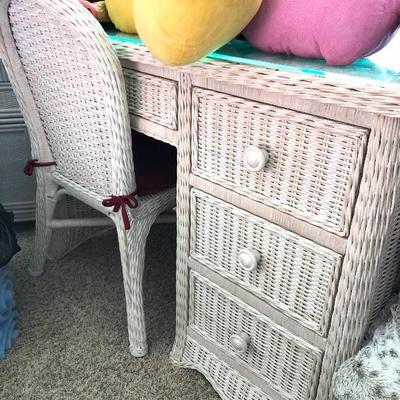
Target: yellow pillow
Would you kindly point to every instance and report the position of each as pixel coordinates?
(121, 14)
(180, 32)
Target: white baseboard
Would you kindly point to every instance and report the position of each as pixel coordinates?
(23, 211)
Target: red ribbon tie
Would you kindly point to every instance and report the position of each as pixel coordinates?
(32, 164)
(120, 203)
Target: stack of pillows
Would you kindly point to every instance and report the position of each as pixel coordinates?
(180, 32)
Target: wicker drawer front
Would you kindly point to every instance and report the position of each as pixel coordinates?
(285, 362)
(293, 274)
(312, 165)
(230, 383)
(152, 98)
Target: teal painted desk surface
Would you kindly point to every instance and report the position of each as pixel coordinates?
(364, 70)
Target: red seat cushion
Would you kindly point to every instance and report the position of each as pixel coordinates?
(155, 164)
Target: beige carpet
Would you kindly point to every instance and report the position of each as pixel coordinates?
(74, 343)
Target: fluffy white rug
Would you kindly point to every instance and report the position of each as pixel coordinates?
(374, 372)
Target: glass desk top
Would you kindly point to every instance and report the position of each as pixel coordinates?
(381, 69)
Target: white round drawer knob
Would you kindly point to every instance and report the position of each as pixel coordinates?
(240, 342)
(249, 259)
(255, 159)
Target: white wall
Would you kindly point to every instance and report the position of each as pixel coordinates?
(389, 56)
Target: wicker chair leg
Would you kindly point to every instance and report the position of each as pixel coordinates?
(132, 245)
(42, 235)
(42, 240)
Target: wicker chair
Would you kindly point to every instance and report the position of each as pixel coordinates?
(71, 91)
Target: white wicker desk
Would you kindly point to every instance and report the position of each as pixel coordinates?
(280, 270)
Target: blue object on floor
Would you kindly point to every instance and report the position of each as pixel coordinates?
(8, 313)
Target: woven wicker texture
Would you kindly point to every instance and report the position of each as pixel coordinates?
(371, 228)
(182, 216)
(152, 98)
(226, 381)
(318, 160)
(70, 86)
(64, 240)
(314, 174)
(327, 157)
(389, 275)
(293, 274)
(285, 361)
(355, 94)
(78, 93)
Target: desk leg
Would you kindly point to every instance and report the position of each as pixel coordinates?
(362, 266)
(183, 216)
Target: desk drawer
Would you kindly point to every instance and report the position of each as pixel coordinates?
(152, 98)
(284, 361)
(313, 167)
(229, 382)
(292, 273)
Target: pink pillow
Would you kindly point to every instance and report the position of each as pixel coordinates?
(340, 31)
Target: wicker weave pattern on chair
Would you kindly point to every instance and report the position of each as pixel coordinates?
(294, 274)
(285, 361)
(318, 160)
(65, 240)
(152, 98)
(81, 103)
(70, 86)
(225, 379)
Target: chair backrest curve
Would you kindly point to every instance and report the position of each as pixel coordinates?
(70, 87)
